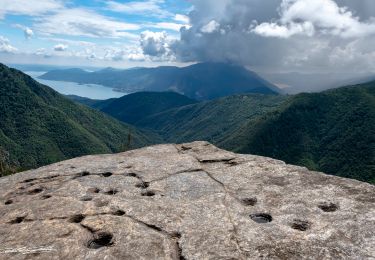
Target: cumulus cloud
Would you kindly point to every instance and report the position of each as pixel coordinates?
(210, 27)
(60, 47)
(278, 35)
(156, 44)
(307, 17)
(5, 45)
(28, 33)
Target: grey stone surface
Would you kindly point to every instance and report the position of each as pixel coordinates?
(190, 201)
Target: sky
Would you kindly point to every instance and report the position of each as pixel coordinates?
(307, 36)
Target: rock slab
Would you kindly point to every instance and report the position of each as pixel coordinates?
(189, 201)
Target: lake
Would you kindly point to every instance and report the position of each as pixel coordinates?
(71, 88)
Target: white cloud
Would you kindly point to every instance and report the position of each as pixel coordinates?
(82, 22)
(276, 30)
(28, 7)
(182, 18)
(210, 27)
(60, 47)
(156, 44)
(148, 8)
(28, 33)
(71, 42)
(5, 46)
(307, 17)
(168, 26)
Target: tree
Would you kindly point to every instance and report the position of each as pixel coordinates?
(5, 163)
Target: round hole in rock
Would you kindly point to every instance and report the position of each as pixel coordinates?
(119, 212)
(142, 185)
(86, 198)
(301, 225)
(249, 201)
(261, 218)
(93, 190)
(76, 218)
(148, 193)
(101, 239)
(17, 220)
(29, 180)
(35, 191)
(106, 174)
(328, 206)
(8, 202)
(47, 196)
(132, 174)
(111, 192)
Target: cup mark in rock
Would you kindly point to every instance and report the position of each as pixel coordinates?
(8, 202)
(261, 218)
(86, 198)
(301, 225)
(249, 201)
(17, 220)
(111, 192)
(148, 193)
(93, 190)
(328, 206)
(106, 174)
(142, 185)
(100, 239)
(45, 197)
(35, 191)
(76, 218)
(118, 212)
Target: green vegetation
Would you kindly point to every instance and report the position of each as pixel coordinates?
(38, 126)
(131, 108)
(332, 131)
(212, 121)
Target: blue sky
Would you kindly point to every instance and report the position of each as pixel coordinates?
(98, 32)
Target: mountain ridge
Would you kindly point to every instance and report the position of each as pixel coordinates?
(40, 126)
(202, 81)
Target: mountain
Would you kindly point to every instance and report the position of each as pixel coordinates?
(131, 108)
(135, 107)
(39, 126)
(213, 121)
(203, 81)
(332, 131)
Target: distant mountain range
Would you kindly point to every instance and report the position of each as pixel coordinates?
(331, 131)
(39, 126)
(203, 81)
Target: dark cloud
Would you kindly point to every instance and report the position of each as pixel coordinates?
(277, 35)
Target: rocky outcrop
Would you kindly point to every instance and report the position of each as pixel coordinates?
(190, 201)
